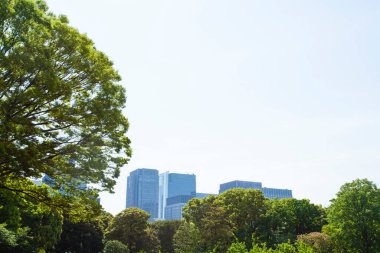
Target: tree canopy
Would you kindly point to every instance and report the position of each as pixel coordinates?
(60, 107)
(354, 218)
(131, 227)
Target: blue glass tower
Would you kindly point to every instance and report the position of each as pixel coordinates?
(239, 184)
(142, 191)
(172, 185)
(270, 193)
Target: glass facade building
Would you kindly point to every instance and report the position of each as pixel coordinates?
(270, 193)
(174, 205)
(172, 185)
(239, 184)
(142, 191)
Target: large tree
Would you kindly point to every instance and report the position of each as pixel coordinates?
(165, 231)
(354, 218)
(244, 207)
(60, 108)
(212, 221)
(131, 227)
(83, 236)
(287, 218)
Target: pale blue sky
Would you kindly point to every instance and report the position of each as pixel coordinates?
(282, 92)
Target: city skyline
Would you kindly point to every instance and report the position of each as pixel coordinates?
(285, 93)
(163, 195)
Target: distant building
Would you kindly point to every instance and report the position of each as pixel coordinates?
(201, 195)
(142, 191)
(270, 193)
(239, 184)
(173, 185)
(174, 205)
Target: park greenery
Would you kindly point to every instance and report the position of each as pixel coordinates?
(61, 116)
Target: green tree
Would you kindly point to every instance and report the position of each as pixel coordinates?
(8, 239)
(237, 247)
(131, 227)
(287, 218)
(320, 242)
(354, 218)
(60, 107)
(34, 226)
(45, 225)
(244, 208)
(115, 247)
(212, 221)
(187, 239)
(80, 237)
(165, 231)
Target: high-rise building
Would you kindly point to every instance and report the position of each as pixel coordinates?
(172, 185)
(201, 195)
(270, 193)
(273, 193)
(239, 184)
(142, 191)
(174, 205)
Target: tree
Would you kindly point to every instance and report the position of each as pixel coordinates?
(354, 218)
(244, 207)
(287, 218)
(237, 247)
(131, 227)
(115, 247)
(34, 226)
(60, 107)
(320, 242)
(8, 239)
(187, 239)
(165, 231)
(212, 221)
(80, 237)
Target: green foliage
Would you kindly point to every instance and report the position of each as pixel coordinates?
(281, 248)
(8, 239)
(237, 247)
(34, 225)
(320, 242)
(131, 227)
(165, 231)
(60, 109)
(212, 221)
(187, 239)
(244, 207)
(287, 218)
(354, 218)
(45, 225)
(115, 247)
(84, 237)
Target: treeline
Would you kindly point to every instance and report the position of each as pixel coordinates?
(238, 220)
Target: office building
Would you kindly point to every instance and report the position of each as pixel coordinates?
(268, 192)
(272, 193)
(174, 205)
(239, 184)
(201, 195)
(172, 185)
(142, 191)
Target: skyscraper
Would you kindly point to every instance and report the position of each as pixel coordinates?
(239, 184)
(142, 191)
(270, 193)
(172, 185)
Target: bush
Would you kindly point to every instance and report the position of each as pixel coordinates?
(115, 247)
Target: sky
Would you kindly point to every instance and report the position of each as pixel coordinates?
(286, 93)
